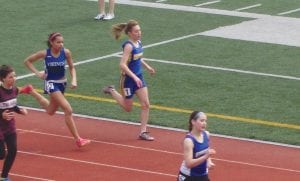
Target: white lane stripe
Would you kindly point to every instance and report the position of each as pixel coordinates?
(257, 165)
(22, 131)
(207, 3)
(172, 40)
(227, 69)
(29, 177)
(223, 69)
(96, 163)
(147, 171)
(141, 148)
(97, 58)
(160, 1)
(168, 128)
(248, 7)
(25, 76)
(289, 12)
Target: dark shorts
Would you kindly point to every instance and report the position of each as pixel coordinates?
(183, 177)
(129, 87)
(53, 86)
(7, 128)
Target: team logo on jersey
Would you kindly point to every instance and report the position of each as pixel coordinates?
(137, 56)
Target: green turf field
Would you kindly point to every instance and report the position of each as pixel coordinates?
(249, 89)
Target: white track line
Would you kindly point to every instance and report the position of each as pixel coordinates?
(30, 177)
(248, 7)
(96, 163)
(226, 69)
(101, 142)
(257, 165)
(207, 3)
(222, 68)
(163, 151)
(160, 1)
(168, 128)
(140, 148)
(289, 12)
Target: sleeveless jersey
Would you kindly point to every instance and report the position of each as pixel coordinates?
(55, 66)
(134, 63)
(8, 101)
(199, 150)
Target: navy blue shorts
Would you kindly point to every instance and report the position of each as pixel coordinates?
(128, 85)
(53, 86)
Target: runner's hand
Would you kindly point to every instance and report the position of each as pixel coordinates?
(8, 115)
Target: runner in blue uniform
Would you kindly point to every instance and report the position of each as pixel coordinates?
(8, 107)
(196, 150)
(132, 81)
(55, 59)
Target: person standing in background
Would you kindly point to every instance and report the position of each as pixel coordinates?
(101, 8)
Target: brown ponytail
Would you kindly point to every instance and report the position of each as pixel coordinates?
(117, 29)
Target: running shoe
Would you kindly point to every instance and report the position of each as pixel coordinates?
(82, 142)
(109, 17)
(26, 89)
(108, 89)
(146, 136)
(99, 16)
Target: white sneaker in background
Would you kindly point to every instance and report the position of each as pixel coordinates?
(99, 17)
(109, 17)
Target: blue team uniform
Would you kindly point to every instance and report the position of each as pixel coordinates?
(55, 72)
(127, 84)
(199, 150)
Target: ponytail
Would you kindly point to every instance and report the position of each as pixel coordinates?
(117, 29)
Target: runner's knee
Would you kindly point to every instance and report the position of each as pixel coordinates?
(145, 105)
(127, 109)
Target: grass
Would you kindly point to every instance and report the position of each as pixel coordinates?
(180, 88)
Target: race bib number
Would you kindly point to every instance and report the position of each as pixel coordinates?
(49, 86)
(127, 92)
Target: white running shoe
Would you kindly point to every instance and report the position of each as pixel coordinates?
(146, 136)
(99, 17)
(109, 17)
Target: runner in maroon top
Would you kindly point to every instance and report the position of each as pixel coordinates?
(8, 107)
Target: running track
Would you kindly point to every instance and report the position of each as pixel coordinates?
(47, 152)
